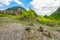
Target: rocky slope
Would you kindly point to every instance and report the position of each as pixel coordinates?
(18, 31)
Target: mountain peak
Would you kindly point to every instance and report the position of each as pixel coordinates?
(16, 8)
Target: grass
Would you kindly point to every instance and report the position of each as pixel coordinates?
(48, 22)
(34, 34)
(17, 18)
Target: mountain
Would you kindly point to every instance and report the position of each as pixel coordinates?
(55, 15)
(16, 8)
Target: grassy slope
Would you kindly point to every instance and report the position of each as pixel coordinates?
(39, 19)
(55, 15)
(13, 26)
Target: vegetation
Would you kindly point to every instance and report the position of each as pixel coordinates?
(15, 21)
(55, 15)
(52, 20)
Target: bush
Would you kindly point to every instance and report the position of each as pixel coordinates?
(28, 14)
(46, 21)
(2, 15)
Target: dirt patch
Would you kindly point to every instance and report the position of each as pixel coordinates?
(16, 31)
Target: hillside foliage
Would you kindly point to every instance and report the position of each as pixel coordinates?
(30, 15)
(55, 15)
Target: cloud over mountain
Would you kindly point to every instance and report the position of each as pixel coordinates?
(45, 7)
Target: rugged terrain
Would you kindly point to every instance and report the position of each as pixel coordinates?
(27, 25)
(21, 31)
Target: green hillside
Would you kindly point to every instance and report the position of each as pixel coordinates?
(55, 15)
(31, 16)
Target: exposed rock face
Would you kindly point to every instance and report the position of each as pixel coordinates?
(17, 12)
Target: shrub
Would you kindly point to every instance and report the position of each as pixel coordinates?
(2, 15)
(46, 21)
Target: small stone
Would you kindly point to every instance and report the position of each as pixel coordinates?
(40, 29)
(47, 33)
(28, 29)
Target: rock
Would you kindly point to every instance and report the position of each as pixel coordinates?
(28, 29)
(47, 33)
(40, 29)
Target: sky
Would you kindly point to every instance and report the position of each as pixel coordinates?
(41, 7)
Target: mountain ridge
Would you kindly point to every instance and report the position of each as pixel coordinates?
(16, 8)
(55, 15)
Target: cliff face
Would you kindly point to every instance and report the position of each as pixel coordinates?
(16, 10)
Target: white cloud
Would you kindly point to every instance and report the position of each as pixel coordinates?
(5, 2)
(18, 2)
(45, 7)
(8, 2)
(1, 5)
